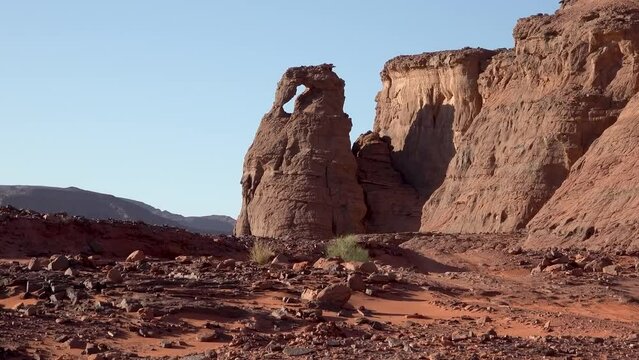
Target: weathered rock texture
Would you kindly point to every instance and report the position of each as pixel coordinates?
(393, 205)
(426, 103)
(299, 177)
(598, 205)
(542, 105)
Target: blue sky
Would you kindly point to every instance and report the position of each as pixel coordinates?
(158, 100)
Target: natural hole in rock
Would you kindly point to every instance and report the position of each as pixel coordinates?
(289, 107)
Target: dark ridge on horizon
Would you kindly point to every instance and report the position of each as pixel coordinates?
(94, 205)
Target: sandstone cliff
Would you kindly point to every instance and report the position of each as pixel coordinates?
(598, 205)
(426, 103)
(393, 205)
(542, 105)
(299, 177)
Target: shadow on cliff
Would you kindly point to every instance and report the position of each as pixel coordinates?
(428, 149)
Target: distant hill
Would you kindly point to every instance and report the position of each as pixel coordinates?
(74, 201)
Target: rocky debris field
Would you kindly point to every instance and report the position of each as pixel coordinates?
(422, 296)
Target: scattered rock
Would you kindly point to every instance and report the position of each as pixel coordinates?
(58, 263)
(114, 276)
(75, 343)
(297, 351)
(137, 255)
(300, 266)
(611, 270)
(334, 296)
(356, 283)
(35, 264)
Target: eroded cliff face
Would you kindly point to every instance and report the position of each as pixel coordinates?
(426, 103)
(597, 207)
(299, 176)
(392, 205)
(542, 106)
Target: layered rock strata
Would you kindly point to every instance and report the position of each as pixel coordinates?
(542, 106)
(392, 204)
(426, 103)
(299, 176)
(597, 207)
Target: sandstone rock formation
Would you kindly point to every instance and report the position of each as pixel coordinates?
(598, 205)
(299, 176)
(427, 101)
(542, 106)
(393, 205)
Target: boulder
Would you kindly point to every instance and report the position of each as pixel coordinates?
(58, 263)
(334, 296)
(355, 282)
(137, 255)
(114, 276)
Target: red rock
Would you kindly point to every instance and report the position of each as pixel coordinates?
(300, 266)
(598, 205)
(299, 176)
(541, 106)
(334, 296)
(393, 205)
(137, 255)
(327, 264)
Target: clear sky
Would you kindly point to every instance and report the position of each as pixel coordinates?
(158, 100)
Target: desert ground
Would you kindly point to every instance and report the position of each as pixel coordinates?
(421, 296)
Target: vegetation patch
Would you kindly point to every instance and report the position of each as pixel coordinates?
(261, 252)
(346, 248)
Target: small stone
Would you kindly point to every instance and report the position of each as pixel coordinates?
(597, 265)
(70, 272)
(75, 343)
(209, 336)
(356, 283)
(35, 264)
(280, 259)
(91, 349)
(297, 351)
(114, 276)
(547, 326)
(166, 344)
(57, 297)
(31, 311)
(62, 338)
(556, 268)
(146, 313)
(537, 270)
(611, 270)
(516, 250)
(327, 264)
(58, 263)
(368, 267)
(334, 296)
(483, 320)
(459, 336)
(281, 314)
(309, 295)
(226, 264)
(137, 255)
(300, 266)
(369, 292)
(378, 278)
(129, 306)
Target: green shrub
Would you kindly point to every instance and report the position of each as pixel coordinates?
(261, 252)
(346, 248)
